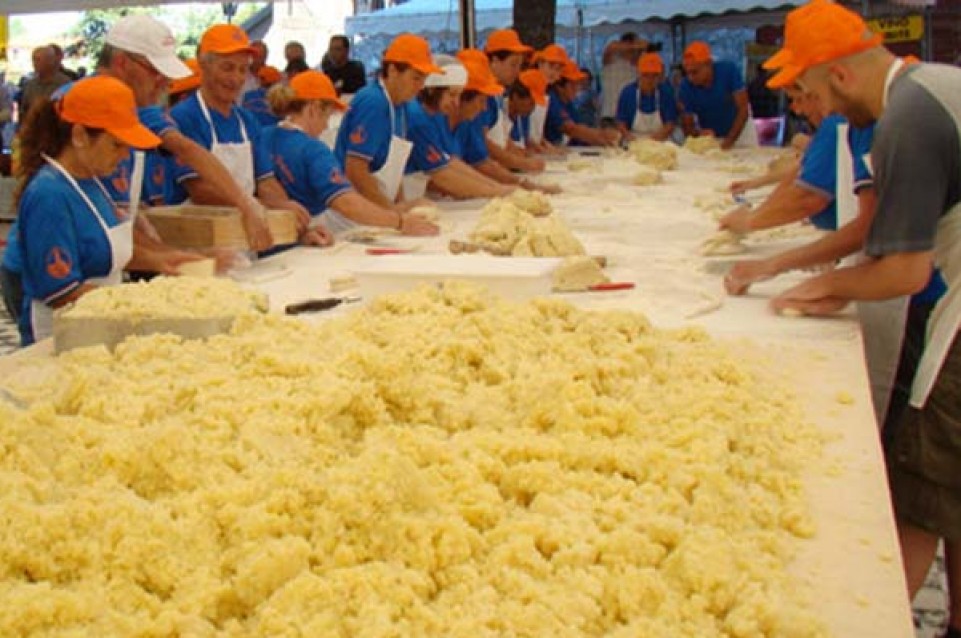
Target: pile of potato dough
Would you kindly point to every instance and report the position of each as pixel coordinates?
(524, 225)
(441, 463)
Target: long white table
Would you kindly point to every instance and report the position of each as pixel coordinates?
(650, 235)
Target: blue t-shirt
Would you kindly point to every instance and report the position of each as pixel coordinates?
(819, 166)
(860, 139)
(559, 114)
(488, 116)
(445, 135)
(469, 136)
(714, 105)
(819, 170)
(255, 101)
(662, 100)
(366, 129)
(230, 130)
(160, 123)
(428, 154)
(306, 168)
(60, 240)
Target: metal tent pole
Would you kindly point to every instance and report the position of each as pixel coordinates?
(468, 28)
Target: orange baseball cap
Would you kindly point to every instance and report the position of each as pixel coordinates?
(783, 56)
(188, 83)
(106, 103)
(697, 52)
(506, 40)
(572, 73)
(536, 83)
(314, 85)
(414, 50)
(650, 63)
(553, 53)
(480, 78)
(476, 55)
(225, 39)
(269, 74)
(823, 32)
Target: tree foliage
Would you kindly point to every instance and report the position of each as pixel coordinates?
(187, 23)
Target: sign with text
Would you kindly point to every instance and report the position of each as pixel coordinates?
(898, 28)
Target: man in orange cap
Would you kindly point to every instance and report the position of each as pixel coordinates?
(212, 118)
(648, 107)
(714, 100)
(560, 114)
(525, 95)
(506, 54)
(258, 59)
(373, 142)
(915, 159)
(140, 51)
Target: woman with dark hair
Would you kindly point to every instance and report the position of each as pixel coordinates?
(309, 171)
(432, 132)
(70, 235)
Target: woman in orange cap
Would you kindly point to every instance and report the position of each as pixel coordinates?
(432, 129)
(373, 144)
(70, 234)
(648, 108)
(309, 171)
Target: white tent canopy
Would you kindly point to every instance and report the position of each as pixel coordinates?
(433, 16)
(9, 7)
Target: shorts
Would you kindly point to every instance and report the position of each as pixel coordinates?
(924, 456)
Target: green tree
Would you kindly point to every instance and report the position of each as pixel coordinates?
(87, 35)
(187, 23)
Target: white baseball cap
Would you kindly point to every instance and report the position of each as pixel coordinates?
(150, 38)
(454, 73)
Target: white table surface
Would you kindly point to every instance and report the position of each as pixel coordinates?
(650, 236)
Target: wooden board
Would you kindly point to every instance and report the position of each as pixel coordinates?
(192, 226)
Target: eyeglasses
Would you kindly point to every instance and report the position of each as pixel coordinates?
(143, 63)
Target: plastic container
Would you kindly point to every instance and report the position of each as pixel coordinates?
(517, 278)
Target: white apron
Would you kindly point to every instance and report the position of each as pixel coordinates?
(882, 322)
(945, 320)
(537, 121)
(647, 123)
(391, 174)
(237, 157)
(120, 238)
(748, 136)
(499, 133)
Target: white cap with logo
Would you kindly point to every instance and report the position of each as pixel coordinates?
(150, 38)
(454, 73)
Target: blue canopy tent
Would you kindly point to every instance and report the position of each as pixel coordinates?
(583, 26)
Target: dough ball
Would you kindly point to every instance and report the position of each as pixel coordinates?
(702, 145)
(647, 177)
(578, 273)
(723, 243)
(658, 155)
(428, 212)
(531, 202)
